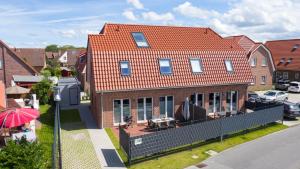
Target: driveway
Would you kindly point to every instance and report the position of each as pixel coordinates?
(275, 151)
(293, 97)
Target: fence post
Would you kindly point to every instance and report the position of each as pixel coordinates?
(221, 129)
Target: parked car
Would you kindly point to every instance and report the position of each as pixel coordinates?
(282, 85)
(253, 97)
(294, 87)
(273, 95)
(291, 110)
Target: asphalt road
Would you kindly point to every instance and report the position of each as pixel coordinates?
(280, 150)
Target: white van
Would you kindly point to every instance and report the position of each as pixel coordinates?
(294, 87)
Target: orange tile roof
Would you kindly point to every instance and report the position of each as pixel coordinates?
(283, 49)
(115, 44)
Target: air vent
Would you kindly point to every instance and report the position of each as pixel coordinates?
(282, 60)
(295, 47)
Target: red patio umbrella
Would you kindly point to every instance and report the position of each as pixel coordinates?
(17, 117)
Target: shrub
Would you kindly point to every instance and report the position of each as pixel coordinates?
(43, 90)
(21, 154)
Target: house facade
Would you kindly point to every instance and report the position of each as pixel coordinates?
(260, 60)
(69, 57)
(81, 69)
(12, 64)
(286, 56)
(149, 71)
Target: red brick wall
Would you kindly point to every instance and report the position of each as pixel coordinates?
(259, 71)
(12, 65)
(179, 97)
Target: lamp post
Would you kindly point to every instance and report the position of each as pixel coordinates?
(57, 99)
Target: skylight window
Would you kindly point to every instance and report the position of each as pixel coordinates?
(125, 68)
(140, 39)
(165, 66)
(228, 65)
(196, 65)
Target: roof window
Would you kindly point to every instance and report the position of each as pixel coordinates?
(125, 68)
(140, 40)
(165, 66)
(196, 65)
(228, 65)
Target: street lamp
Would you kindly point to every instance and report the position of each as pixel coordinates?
(57, 97)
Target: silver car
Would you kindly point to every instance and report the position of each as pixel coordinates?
(273, 95)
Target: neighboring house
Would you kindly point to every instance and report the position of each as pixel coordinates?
(51, 55)
(69, 57)
(286, 57)
(260, 60)
(2, 96)
(12, 64)
(148, 71)
(33, 56)
(81, 69)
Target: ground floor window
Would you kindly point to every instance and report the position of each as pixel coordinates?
(198, 99)
(231, 101)
(121, 110)
(166, 106)
(214, 102)
(263, 80)
(144, 109)
(285, 75)
(297, 75)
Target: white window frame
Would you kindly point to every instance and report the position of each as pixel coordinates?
(170, 65)
(265, 81)
(200, 65)
(231, 65)
(253, 62)
(237, 99)
(122, 118)
(197, 99)
(285, 75)
(1, 64)
(297, 75)
(145, 113)
(254, 80)
(166, 105)
(264, 59)
(214, 101)
(129, 68)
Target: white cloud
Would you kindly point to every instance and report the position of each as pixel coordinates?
(84, 18)
(87, 31)
(153, 16)
(136, 3)
(129, 15)
(187, 9)
(71, 33)
(261, 21)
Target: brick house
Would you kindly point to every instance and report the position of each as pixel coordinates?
(36, 57)
(148, 71)
(260, 60)
(286, 56)
(12, 64)
(81, 69)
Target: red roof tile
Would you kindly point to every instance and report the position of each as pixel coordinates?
(33, 56)
(178, 44)
(283, 49)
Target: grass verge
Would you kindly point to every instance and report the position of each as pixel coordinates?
(172, 161)
(45, 133)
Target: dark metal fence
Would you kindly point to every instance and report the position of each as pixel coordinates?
(160, 141)
(56, 146)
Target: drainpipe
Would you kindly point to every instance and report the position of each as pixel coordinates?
(101, 100)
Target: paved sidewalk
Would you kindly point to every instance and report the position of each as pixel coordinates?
(105, 150)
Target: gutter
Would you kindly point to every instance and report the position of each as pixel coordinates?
(161, 88)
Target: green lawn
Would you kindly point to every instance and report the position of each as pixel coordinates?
(184, 158)
(69, 116)
(45, 133)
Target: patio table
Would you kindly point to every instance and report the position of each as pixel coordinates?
(30, 136)
(159, 121)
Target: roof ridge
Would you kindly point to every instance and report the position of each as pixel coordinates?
(152, 25)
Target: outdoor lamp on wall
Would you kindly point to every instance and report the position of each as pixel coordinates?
(56, 93)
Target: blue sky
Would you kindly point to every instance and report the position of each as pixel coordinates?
(37, 23)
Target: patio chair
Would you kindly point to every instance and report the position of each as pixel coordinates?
(151, 125)
(128, 121)
(228, 114)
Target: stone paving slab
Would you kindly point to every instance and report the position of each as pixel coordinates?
(77, 148)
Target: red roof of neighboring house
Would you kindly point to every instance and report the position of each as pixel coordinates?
(115, 44)
(28, 65)
(32, 56)
(284, 49)
(11, 103)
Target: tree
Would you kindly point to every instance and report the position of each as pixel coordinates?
(21, 154)
(43, 90)
(52, 48)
